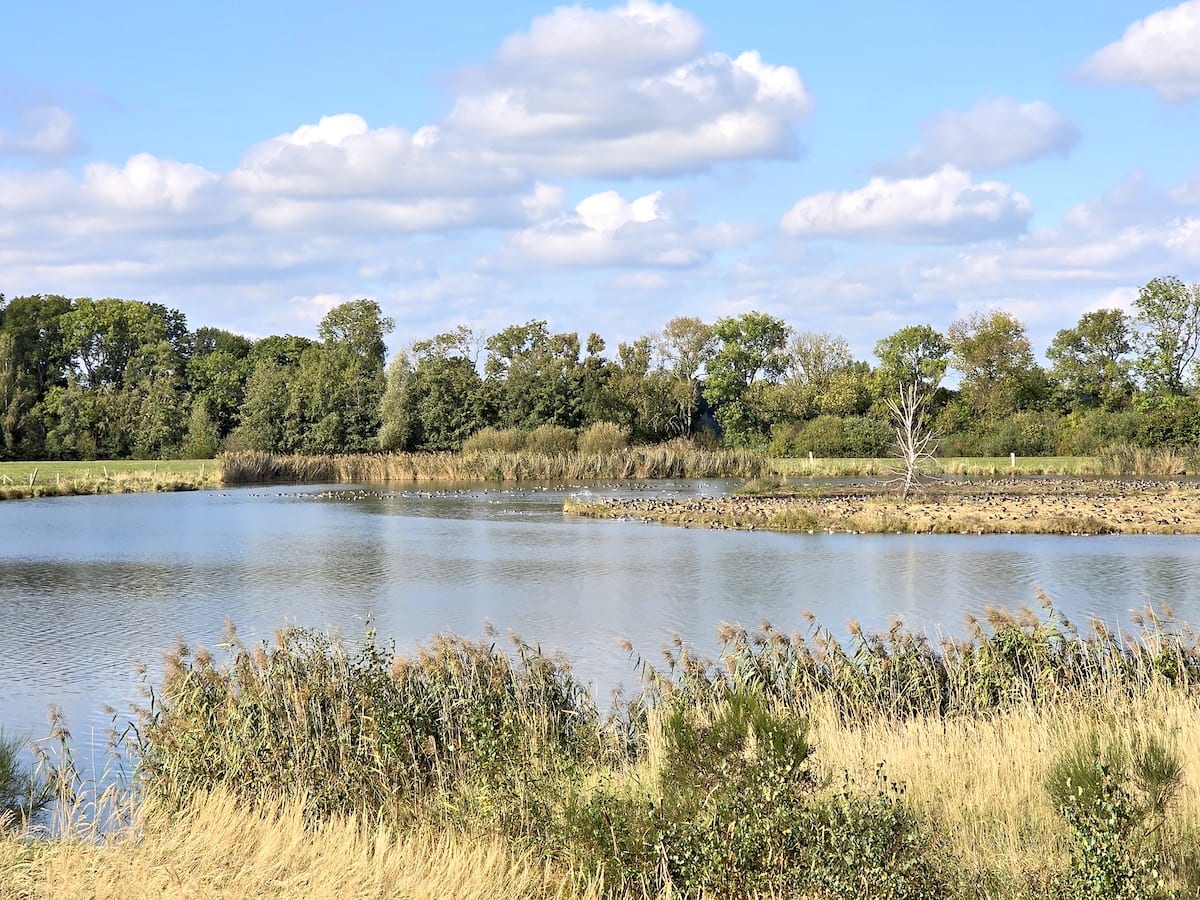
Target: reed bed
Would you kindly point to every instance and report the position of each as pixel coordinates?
(1147, 462)
(885, 764)
(676, 459)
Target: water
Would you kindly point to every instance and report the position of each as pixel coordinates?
(90, 586)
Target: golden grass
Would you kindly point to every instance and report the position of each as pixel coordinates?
(982, 780)
(217, 847)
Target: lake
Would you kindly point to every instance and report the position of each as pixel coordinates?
(90, 586)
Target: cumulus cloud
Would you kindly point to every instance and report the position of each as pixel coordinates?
(623, 92)
(605, 229)
(146, 183)
(342, 156)
(1161, 51)
(992, 134)
(638, 37)
(944, 207)
(46, 133)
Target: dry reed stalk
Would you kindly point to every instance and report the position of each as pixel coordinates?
(672, 460)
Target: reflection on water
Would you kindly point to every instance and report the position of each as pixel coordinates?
(90, 585)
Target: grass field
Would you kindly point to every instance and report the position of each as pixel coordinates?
(49, 479)
(971, 466)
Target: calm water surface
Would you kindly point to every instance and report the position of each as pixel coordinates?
(90, 586)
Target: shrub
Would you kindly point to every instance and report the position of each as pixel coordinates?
(868, 437)
(1113, 803)
(489, 440)
(1084, 433)
(604, 438)
(823, 436)
(1168, 420)
(552, 439)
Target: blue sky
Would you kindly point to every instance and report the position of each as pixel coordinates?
(850, 168)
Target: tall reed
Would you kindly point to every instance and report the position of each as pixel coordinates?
(676, 459)
(1130, 459)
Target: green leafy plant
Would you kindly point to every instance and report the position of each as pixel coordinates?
(1114, 803)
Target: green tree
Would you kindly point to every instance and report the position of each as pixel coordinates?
(433, 396)
(751, 350)
(1091, 362)
(995, 358)
(1168, 333)
(533, 377)
(917, 355)
(685, 346)
(217, 380)
(35, 323)
(335, 400)
(105, 336)
(263, 415)
(651, 402)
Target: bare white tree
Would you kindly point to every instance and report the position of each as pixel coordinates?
(915, 440)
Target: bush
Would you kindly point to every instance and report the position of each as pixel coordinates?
(1113, 803)
(1084, 433)
(495, 440)
(823, 436)
(553, 439)
(604, 438)
(734, 812)
(868, 437)
(1168, 420)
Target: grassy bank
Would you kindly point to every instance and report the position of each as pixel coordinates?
(958, 467)
(1029, 760)
(1115, 460)
(56, 479)
(677, 459)
(1009, 506)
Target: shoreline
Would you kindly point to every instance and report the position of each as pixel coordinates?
(1066, 507)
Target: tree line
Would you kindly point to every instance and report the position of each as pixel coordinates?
(83, 378)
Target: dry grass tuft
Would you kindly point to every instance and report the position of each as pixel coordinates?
(219, 847)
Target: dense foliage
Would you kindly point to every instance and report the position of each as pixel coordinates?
(83, 378)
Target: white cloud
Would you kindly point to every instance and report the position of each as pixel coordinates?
(607, 212)
(944, 207)
(342, 156)
(604, 229)
(640, 36)
(147, 183)
(44, 132)
(992, 134)
(1161, 51)
(623, 92)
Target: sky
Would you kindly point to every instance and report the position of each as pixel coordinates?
(849, 168)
